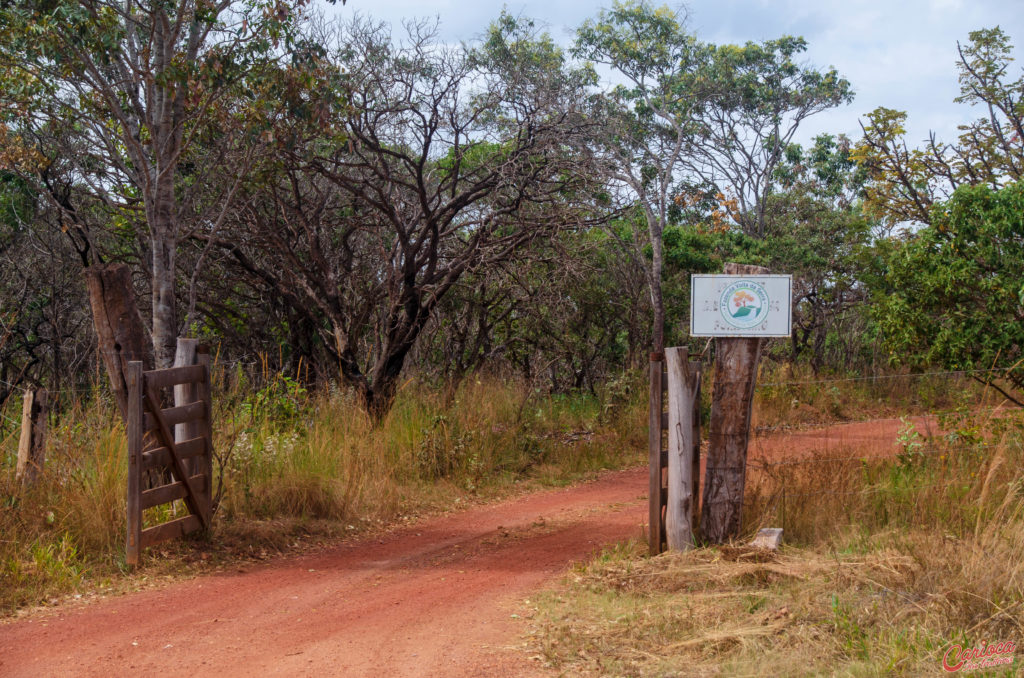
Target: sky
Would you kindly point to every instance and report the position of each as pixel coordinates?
(896, 53)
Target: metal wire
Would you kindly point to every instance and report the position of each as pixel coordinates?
(879, 377)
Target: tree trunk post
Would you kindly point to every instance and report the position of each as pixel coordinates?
(736, 361)
(32, 443)
(683, 385)
(119, 329)
(656, 525)
(695, 473)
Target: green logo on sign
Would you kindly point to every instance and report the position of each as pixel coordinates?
(744, 304)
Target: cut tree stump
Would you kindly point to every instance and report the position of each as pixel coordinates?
(32, 443)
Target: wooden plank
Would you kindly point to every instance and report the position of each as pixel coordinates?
(175, 415)
(654, 525)
(168, 493)
(170, 530)
(171, 376)
(194, 500)
(682, 385)
(133, 417)
(161, 456)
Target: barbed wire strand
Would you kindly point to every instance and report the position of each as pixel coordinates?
(880, 377)
(755, 463)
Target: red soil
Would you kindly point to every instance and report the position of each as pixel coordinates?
(433, 599)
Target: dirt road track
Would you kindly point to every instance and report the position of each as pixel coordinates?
(434, 599)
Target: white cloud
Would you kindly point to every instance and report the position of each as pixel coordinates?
(896, 53)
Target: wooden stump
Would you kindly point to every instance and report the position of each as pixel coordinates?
(736, 361)
(32, 443)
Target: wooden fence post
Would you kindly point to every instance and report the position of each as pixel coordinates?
(683, 385)
(699, 366)
(204, 394)
(134, 418)
(736, 362)
(655, 498)
(185, 394)
(32, 443)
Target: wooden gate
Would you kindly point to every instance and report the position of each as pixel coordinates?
(186, 459)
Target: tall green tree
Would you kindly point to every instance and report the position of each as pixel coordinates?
(122, 89)
(646, 125)
(696, 118)
(952, 294)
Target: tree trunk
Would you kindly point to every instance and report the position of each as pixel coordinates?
(736, 362)
(165, 321)
(119, 328)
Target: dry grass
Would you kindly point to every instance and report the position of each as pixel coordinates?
(297, 468)
(888, 564)
(795, 398)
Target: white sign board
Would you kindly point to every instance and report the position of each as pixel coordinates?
(741, 305)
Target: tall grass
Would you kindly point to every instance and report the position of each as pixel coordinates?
(888, 563)
(290, 462)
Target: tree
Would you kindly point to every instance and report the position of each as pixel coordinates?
(697, 119)
(123, 90)
(758, 98)
(646, 125)
(454, 159)
(952, 295)
(906, 183)
(815, 229)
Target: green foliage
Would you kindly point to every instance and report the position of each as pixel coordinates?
(906, 182)
(951, 294)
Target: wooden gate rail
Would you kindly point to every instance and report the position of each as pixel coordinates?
(152, 445)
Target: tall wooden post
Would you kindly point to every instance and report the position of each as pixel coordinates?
(204, 465)
(32, 443)
(133, 429)
(185, 394)
(736, 361)
(696, 453)
(656, 497)
(683, 386)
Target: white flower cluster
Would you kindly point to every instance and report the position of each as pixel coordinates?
(251, 453)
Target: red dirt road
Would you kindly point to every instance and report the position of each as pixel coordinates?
(433, 599)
